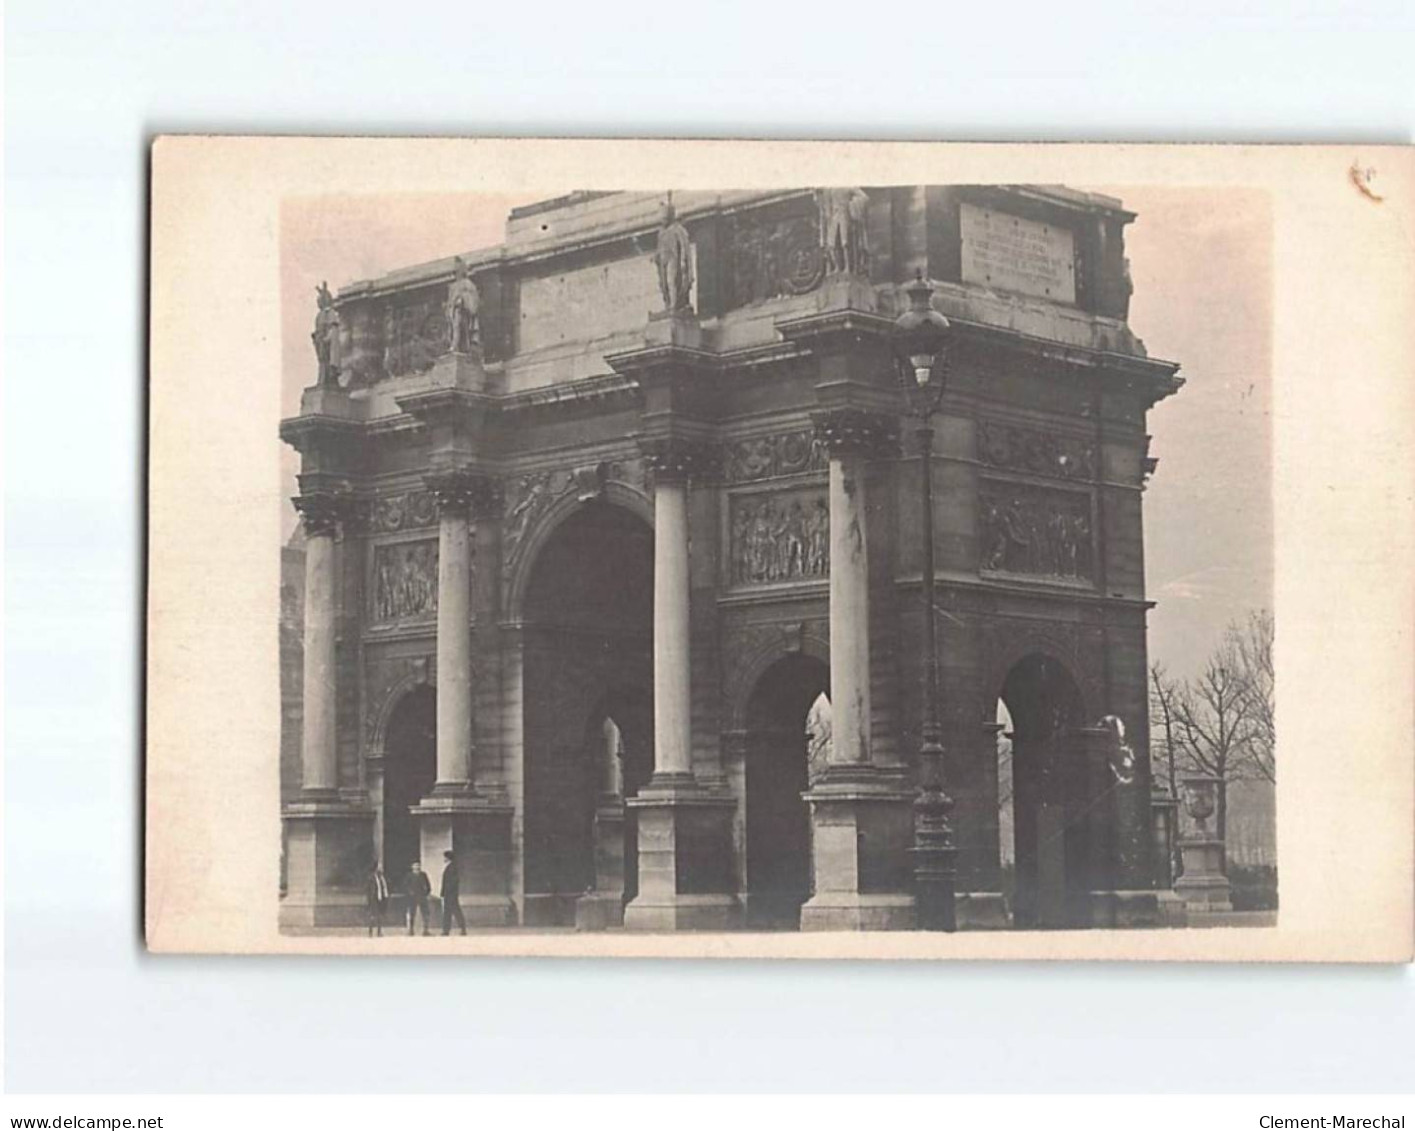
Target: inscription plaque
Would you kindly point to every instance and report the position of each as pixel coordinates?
(1009, 253)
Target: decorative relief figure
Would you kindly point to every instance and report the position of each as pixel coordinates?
(1045, 534)
(770, 257)
(843, 236)
(405, 511)
(326, 337)
(529, 496)
(674, 259)
(405, 581)
(779, 538)
(766, 457)
(1033, 450)
(414, 335)
(463, 303)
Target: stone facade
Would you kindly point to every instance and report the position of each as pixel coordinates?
(570, 589)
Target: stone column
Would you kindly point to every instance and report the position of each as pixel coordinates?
(328, 839)
(860, 813)
(672, 681)
(684, 830)
(474, 824)
(849, 610)
(318, 751)
(453, 492)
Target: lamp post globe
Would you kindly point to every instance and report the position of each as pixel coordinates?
(920, 346)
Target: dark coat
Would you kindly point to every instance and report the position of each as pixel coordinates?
(372, 894)
(451, 881)
(417, 886)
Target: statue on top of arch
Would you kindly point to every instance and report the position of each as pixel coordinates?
(674, 260)
(843, 231)
(463, 305)
(326, 337)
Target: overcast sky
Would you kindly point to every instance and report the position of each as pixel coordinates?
(1201, 265)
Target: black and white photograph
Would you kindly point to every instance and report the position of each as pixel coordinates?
(778, 560)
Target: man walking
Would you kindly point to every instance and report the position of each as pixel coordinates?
(417, 888)
(451, 893)
(376, 897)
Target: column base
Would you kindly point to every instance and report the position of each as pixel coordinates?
(685, 858)
(982, 911)
(1121, 910)
(476, 827)
(599, 911)
(852, 911)
(862, 829)
(329, 848)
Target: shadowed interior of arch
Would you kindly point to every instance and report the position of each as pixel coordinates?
(788, 738)
(409, 773)
(1041, 792)
(588, 656)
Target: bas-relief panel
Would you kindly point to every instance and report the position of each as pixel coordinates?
(779, 537)
(404, 582)
(1035, 451)
(772, 255)
(767, 457)
(414, 335)
(1035, 531)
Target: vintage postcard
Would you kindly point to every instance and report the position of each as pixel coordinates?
(755, 549)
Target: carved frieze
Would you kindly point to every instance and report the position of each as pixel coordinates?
(405, 581)
(1035, 531)
(415, 334)
(526, 498)
(779, 537)
(769, 255)
(407, 510)
(767, 457)
(1034, 451)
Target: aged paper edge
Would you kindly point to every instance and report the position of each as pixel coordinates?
(1343, 473)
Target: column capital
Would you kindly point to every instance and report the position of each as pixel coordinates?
(326, 511)
(677, 459)
(852, 431)
(461, 491)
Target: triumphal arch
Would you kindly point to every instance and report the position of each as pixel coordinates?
(609, 576)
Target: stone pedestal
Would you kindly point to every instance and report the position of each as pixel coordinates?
(845, 292)
(1203, 886)
(862, 827)
(685, 859)
(603, 907)
(477, 829)
(463, 371)
(677, 328)
(328, 847)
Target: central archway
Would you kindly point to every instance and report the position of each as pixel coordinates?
(587, 620)
(788, 730)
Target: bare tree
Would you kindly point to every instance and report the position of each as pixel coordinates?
(1164, 692)
(1253, 647)
(1219, 718)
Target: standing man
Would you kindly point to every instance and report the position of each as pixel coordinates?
(417, 889)
(451, 896)
(376, 896)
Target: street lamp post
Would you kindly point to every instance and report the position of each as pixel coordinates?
(920, 346)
